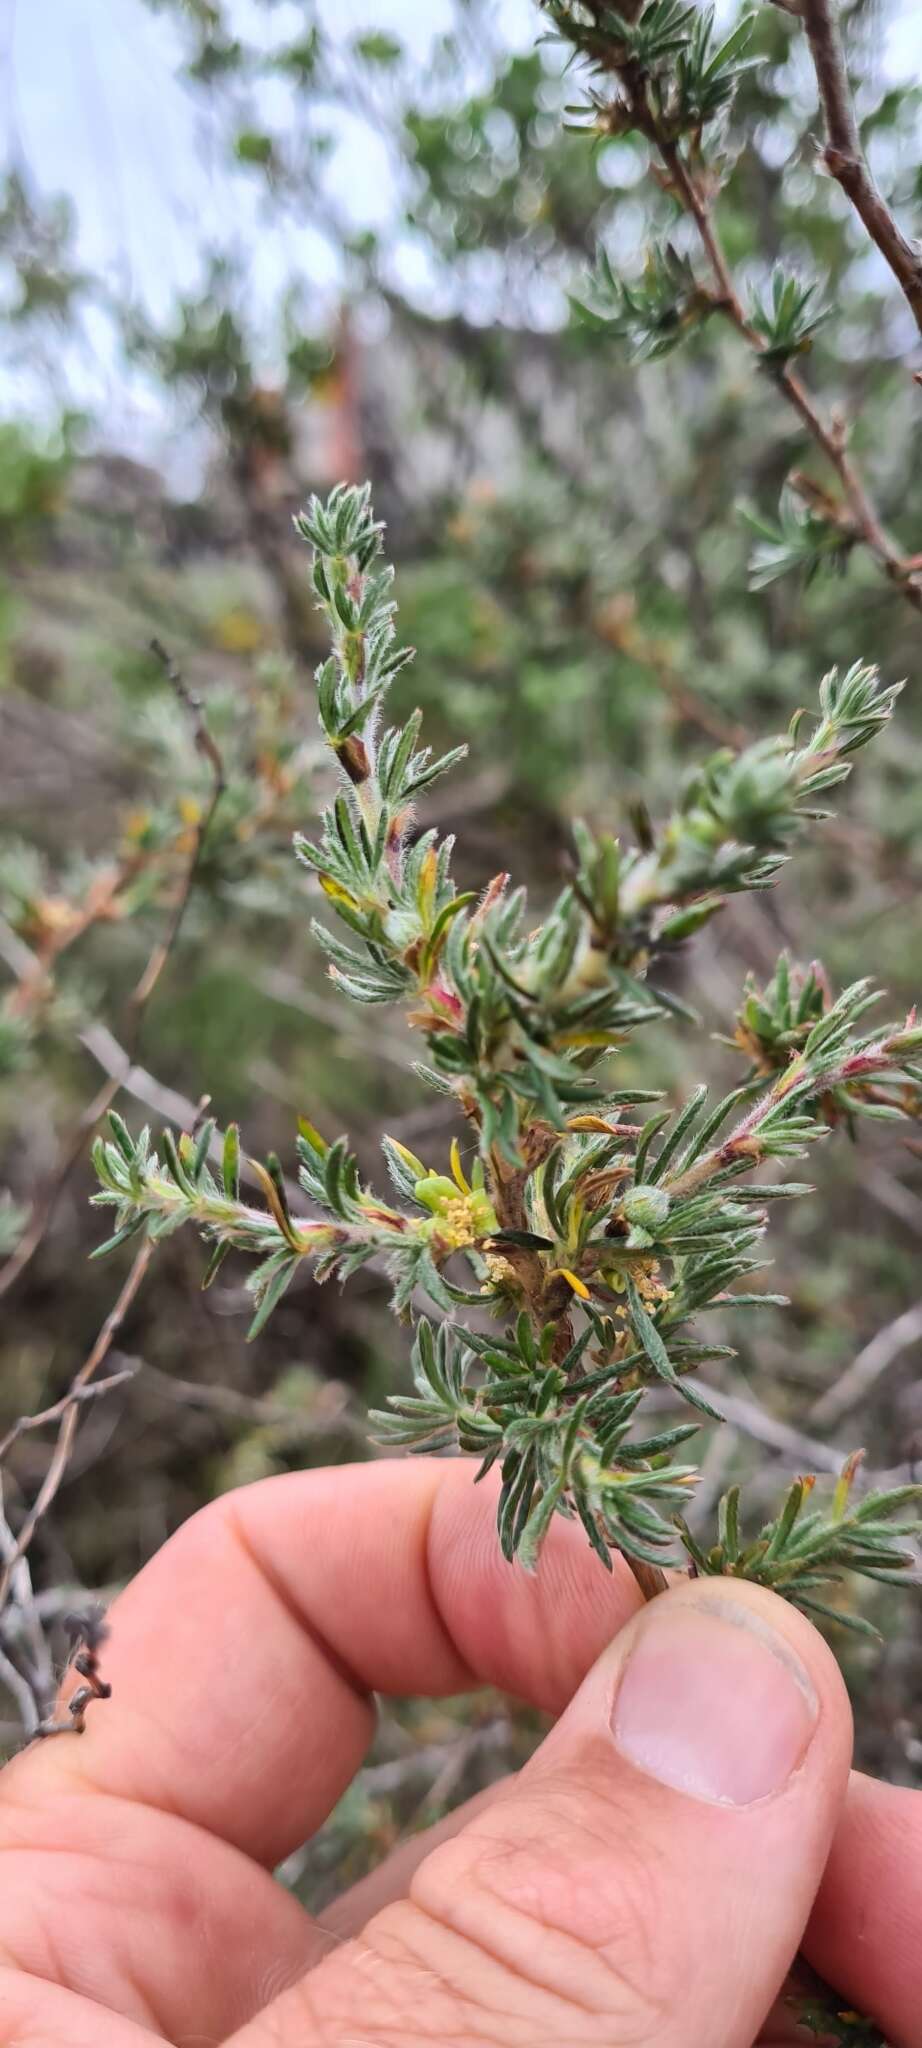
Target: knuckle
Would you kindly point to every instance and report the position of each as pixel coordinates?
(391, 1987)
(543, 1921)
(559, 1889)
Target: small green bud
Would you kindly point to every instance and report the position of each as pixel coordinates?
(646, 1206)
(434, 1190)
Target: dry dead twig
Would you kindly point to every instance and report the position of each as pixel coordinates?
(72, 1149)
(67, 1413)
(865, 1370)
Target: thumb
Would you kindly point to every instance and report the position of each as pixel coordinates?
(644, 1881)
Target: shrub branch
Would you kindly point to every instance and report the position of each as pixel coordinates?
(595, 1227)
(845, 159)
(675, 86)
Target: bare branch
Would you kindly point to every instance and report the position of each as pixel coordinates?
(87, 1632)
(286, 989)
(46, 1200)
(442, 1762)
(809, 1453)
(20, 1690)
(205, 742)
(331, 1417)
(69, 1417)
(125, 1077)
(57, 1410)
(844, 157)
(26, 1667)
(866, 1369)
(30, 964)
(891, 1194)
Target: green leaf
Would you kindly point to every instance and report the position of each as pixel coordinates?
(271, 1281)
(202, 1148)
(230, 1162)
(174, 1162)
(537, 1525)
(215, 1262)
(652, 1343)
(122, 1136)
(251, 146)
(376, 47)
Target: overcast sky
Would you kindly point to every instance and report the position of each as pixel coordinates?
(90, 99)
(91, 103)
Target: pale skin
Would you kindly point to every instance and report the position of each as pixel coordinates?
(619, 1893)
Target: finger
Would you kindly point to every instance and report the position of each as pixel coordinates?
(243, 1659)
(864, 1933)
(345, 1916)
(232, 1712)
(141, 1914)
(37, 2015)
(646, 1878)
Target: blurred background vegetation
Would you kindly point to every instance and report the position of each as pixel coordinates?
(349, 251)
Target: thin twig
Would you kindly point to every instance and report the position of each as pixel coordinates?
(128, 1079)
(205, 743)
(97, 907)
(46, 1201)
(285, 988)
(715, 1465)
(174, 1108)
(617, 626)
(207, 746)
(25, 1423)
(891, 1194)
(20, 1690)
(866, 1369)
(23, 1638)
(88, 1633)
(72, 1149)
(264, 1412)
(809, 1453)
(844, 157)
(70, 1412)
(434, 1760)
(829, 438)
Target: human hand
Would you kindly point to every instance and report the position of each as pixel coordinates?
(644, 1882)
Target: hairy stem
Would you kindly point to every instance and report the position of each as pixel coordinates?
(649, 1577)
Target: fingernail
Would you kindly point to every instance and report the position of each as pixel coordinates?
(713, 1702)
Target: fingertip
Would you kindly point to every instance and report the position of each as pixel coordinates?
(782, 1624)
(722, 1690)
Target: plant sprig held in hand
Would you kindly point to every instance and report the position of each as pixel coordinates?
(591, 1232)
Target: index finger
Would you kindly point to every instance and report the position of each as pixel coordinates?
(864, 1933)
(244, 1658)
